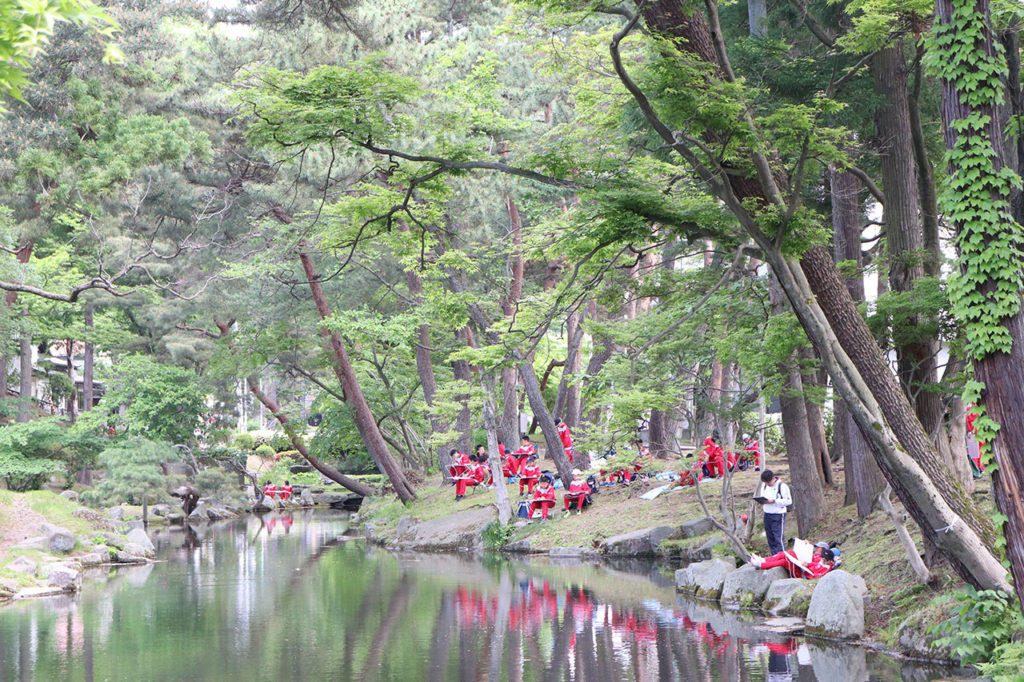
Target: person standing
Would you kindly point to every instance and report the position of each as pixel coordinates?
(565, 435)
(776, 498)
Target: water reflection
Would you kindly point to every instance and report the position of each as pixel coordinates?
(295, 596)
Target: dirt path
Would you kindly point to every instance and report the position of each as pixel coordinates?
(19, 523)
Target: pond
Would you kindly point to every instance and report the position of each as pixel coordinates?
(295, 597)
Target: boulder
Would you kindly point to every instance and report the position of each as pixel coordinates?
(328, 498)
(306, 497)
(69, 495)
(642, 542)
(405, 524)
(370, 530)
(22, 564)
(59, 539)
(42, 543)
(916, 642)
(113, 540)
(115, 514)
(746, 586)
(837, 606)
(138, 550)
(139, 537)
(266, 504)
(788, 597)
(573, 553)
(176, 517)
(704, 578)
(519, 545)
(67, 578)
(125, 557)
(160, 510)
(300, 468)
(8, 586)
(457, 532)
(696, 527)
(93, 558)
(201, 512)
(705, 551)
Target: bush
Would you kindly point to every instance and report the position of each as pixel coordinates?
(133, 469)
(280, 473)
(280, 442)
(982, 622)
(218, 483)
(292, 455)
(245, 442)
(266, 451)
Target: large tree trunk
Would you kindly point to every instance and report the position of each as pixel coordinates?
(658, 439)
(841, 338)
(87, 362)
(491, 426)
(365, 423)
(25, 388)
(510, 427)
(816, 381)
(916, 360)
(804, 471)
(553, 443)
(287, 426)
(463, 379)
(574, 333)
(1001, 372)
(864, 481)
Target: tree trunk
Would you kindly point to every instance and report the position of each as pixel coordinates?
(361, 413)
(491, 426)
(87, 361)
(25, 388)
(574, 333)
(553, 443)
(509, 424)
(1001, 372)
(816, 421)
(916, 360)
(463, 379)
(924, 576)
(510, 427)
(289, 428)
(757, 15)
(864, 480)
(658, 440)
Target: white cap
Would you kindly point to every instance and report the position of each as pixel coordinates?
(576, 472)
(746, 436)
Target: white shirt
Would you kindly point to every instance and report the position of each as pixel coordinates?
(780, 492)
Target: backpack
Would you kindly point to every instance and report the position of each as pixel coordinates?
(523, 510)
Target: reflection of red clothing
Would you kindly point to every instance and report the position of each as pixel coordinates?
(815, 567)
(578, 491)
(543, 499)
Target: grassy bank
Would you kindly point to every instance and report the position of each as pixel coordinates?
(869, 545)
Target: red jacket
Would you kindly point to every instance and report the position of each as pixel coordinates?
(578, 487)
(752, 446)
(712, 452)
(565, 435)
(815, 567)
(540, 493)
(501, 449)
(530, 449)
(460, 459)
(529, 471)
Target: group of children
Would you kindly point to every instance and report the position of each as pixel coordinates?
(283, 493)
(521, 466)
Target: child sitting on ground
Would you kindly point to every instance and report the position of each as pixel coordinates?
(543, 498)
(529, 474)
(578, 491)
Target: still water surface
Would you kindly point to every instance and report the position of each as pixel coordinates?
(293, 597)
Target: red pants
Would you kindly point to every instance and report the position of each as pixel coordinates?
(461, 483)
(529, 482)
(519, 462)
(543, 505)
(716, 467)
(578, 497)
(569, 452)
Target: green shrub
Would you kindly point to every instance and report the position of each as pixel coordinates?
(279, 473)
(265, 451)
(1006, 663)
(292, 455)
(496, 536)
(133, 469)
(218, 483)
(245, 442)
(982, 621)
(280, 442)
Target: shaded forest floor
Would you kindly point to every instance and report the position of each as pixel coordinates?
(869, 545)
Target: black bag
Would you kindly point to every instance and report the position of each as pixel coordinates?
(523, 510)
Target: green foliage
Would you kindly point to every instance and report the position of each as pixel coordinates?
(132, 470)
(985, 289)
(1005, 664)
(280, 442)
(33, 450)
(218, 483)
(162, 401)
(245, 442)
(496, 536)
(982, 620)
(280, 473)
(265, 451)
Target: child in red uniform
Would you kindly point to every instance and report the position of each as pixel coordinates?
(712, 458)
(821, 561)
(460, 463)
(286, 491)
(270, 490)
(529, 474)
(578, 492)
(566, 437)
(509, 464)
(543, 498)
(470, 476)
(752, 451)
(524, 452)
(484, 460)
